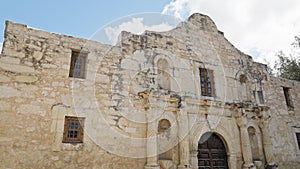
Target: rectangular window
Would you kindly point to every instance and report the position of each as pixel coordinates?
(254, 95)
(73, 130)
(287, 96)
(260, 97)
(206, 77)
(77, 67)
(298, 139)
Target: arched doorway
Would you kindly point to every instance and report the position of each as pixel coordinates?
(211, 152)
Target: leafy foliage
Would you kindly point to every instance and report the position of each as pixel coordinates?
(289, 67)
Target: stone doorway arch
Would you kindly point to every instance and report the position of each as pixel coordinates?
(212, 152)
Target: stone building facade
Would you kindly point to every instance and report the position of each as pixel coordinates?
(185, 99)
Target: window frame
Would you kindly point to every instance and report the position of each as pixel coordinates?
(206, 82)
(297, 135)
(79, 121)
(296, 129)
(288, 98)
(260, 96)
(163, 72)
(78, 69)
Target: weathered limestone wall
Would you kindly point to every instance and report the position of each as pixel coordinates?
(284, 123)
(36, 94)
(124, 97)
(193, 44)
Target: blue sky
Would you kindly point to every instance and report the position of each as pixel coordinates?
(72, 17)
(259, 28)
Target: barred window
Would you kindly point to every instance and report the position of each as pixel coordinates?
(206, 79)
(73, 130)
(77, 67)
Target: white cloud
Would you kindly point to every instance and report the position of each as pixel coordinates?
(1, 43)
(136, 26)
(260, 28)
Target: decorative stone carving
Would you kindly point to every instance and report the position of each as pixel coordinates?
(166, 164)
(246, 146)
(144, 96)
(184, 141)
(267, 144)
(152, 160)
(121, 92)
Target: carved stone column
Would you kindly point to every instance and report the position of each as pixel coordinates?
(152, 160)
(232, 161)
(260, 145)
(268, 148)
(246, 146)
(194, 159)
(184, 150)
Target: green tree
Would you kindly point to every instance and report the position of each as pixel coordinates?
(289, 67)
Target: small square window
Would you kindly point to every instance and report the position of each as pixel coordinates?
(206, 80)
(73, 130)
(78, 62)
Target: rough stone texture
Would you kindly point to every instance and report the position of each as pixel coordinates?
(123, 103)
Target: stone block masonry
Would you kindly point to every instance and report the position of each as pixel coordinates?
(142, 102)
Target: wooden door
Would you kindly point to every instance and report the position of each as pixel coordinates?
(212, 154)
